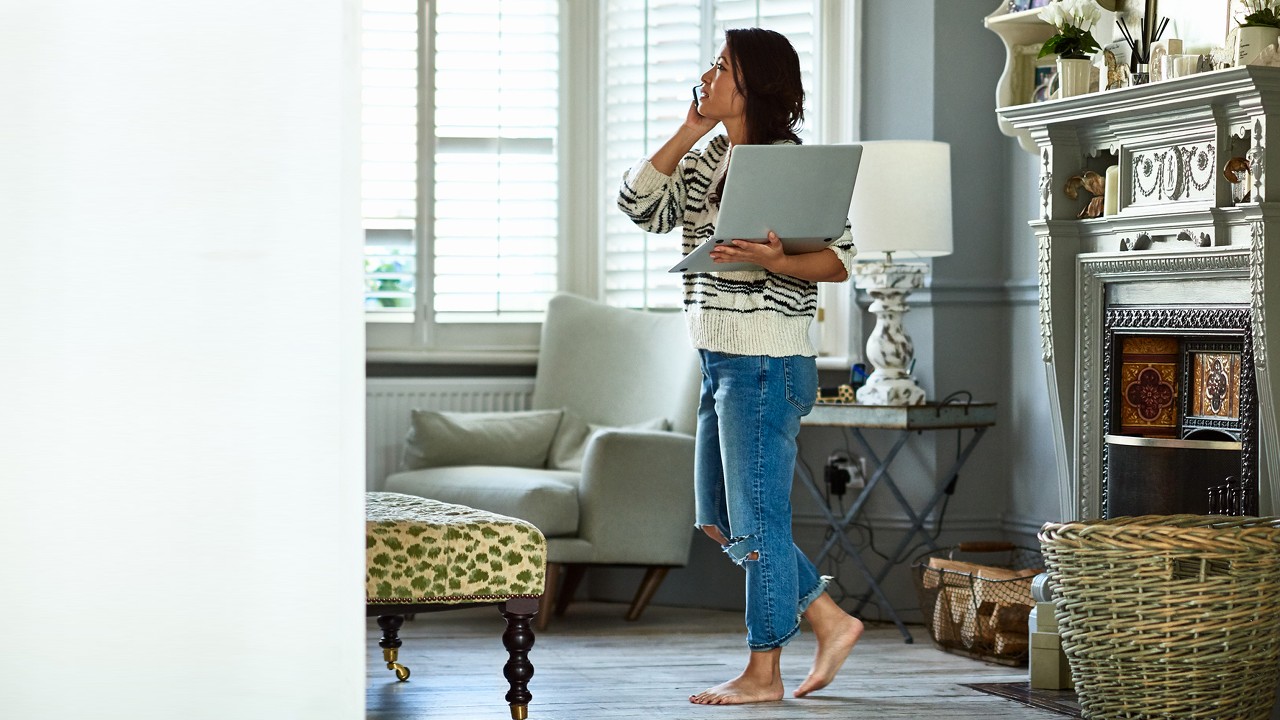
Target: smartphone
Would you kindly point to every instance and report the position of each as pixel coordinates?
(695, 94)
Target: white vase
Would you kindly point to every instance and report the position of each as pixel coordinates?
(1253, 39)
(1073, 76)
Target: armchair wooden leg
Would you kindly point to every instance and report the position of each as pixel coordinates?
(518, 639)
(548, 596)
(572, 579)
(652, 579)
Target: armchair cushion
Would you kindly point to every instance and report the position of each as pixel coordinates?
(517, 439)
(546, 498)
(571, 438)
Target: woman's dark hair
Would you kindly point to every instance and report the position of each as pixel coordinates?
(767, 73)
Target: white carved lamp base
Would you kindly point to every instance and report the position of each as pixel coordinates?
(889, 347)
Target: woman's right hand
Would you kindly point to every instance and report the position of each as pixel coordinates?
(695, 120)
(695, 125)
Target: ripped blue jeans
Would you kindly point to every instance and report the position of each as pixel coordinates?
(748, 419)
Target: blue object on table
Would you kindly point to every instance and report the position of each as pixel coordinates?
(858, 375)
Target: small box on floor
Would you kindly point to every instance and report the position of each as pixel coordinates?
(1049, 668)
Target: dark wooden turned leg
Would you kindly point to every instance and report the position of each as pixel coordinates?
(652, 579)
(518, 640)
(572, 579)
(549, 590)
(390, 644)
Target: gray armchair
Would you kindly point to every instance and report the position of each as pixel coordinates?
(613, 372)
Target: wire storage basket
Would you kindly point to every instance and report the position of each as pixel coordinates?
(1169, 616)
(975, 598)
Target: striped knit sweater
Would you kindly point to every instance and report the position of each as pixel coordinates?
(751, 312)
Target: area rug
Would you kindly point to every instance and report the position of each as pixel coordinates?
(1062, 702)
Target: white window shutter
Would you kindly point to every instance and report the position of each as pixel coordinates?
(653, 59)
(495, 224)
(390, 150)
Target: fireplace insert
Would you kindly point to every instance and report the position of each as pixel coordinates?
(1179, 412)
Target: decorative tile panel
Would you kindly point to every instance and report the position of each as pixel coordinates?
(1149, 386)
(1179, 173)
(1215, 385)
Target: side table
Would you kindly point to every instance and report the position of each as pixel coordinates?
(904, 420)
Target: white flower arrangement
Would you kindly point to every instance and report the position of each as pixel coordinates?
(1074, 19)
(1258, 13)
(1083, 14)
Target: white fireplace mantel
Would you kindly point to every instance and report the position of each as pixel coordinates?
(1178, 238)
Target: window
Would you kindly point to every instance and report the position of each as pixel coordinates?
(390, 151)
(471, 235)
(494, 225)
(495, 136)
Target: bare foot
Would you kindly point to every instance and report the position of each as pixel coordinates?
(760, 682)
(739, 691)
(836, 632)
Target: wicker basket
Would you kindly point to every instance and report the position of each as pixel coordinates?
(1172, 616)
(975, 599)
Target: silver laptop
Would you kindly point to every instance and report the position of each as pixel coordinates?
(801, 192)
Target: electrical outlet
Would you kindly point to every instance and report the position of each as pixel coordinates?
(842, 473)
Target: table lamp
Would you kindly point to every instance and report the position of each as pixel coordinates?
(901, 207)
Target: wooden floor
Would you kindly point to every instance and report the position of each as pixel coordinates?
(593, 665)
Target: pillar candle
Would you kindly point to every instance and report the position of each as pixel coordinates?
(1111, 205)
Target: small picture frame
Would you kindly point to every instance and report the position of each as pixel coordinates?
(1034, 78)
(1046, 77)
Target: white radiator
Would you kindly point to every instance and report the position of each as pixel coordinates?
(389, 403)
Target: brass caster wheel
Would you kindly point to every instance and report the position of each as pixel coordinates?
(391, 655)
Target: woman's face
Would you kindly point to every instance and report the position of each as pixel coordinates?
(719, 97)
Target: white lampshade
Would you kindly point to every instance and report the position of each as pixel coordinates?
(902, 200)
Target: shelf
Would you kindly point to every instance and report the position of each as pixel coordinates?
(1023, 33)
(1030, 18)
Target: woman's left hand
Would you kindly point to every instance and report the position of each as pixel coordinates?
(766, 254)
(821, 266)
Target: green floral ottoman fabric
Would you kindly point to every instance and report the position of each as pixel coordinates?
(424, 551)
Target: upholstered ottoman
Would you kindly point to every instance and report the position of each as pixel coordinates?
(424, 555)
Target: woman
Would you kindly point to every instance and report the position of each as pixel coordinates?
(751, 329)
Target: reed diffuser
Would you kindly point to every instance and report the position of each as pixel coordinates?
(1150, 28)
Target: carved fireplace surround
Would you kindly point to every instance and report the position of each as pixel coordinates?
(1185, 240)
